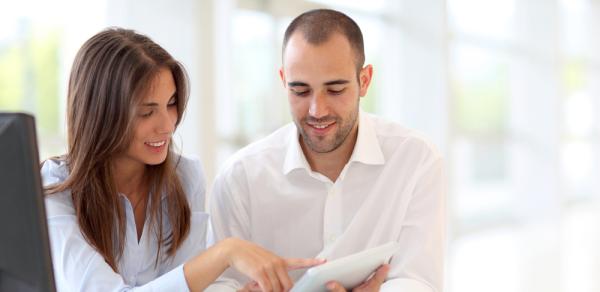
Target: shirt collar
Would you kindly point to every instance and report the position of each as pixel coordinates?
(294, 157)
(366, 150)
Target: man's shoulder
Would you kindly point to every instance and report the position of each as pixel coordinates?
(269, 148)
(394, 136)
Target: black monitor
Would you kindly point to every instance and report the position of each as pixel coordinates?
(25, 263)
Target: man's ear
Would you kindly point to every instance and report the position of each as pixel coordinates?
(365, 76)
(282, 76)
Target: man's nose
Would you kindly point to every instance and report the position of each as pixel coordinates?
(318, 106)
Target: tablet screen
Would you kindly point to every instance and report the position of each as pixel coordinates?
(349, 271)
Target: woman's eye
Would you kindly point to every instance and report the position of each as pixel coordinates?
(172, 102)
(145, 115)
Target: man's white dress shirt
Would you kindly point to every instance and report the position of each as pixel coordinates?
(391, 189)
(79, 267)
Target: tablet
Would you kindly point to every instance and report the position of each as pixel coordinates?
(349, 271)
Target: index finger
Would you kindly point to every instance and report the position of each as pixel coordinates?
(295, 263)
(378, 278)
(334, 286)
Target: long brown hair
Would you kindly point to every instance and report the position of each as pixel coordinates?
(110, 75)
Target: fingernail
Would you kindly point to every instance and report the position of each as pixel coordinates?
(330, 285)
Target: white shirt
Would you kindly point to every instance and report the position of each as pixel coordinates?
(79, 267)
(391, 189)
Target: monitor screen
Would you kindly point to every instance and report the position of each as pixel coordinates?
(25, 263)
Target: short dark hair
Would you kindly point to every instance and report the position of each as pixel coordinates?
(318, 25)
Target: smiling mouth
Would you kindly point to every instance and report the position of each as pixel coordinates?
(320, 126)
(156, 144)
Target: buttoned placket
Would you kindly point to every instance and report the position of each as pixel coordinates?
(333, 225)
(132, 245)
(333, 214)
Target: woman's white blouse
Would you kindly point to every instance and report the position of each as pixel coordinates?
(79, 267)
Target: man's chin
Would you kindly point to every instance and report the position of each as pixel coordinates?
(320, 147)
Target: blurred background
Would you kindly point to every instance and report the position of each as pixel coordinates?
(509, 90)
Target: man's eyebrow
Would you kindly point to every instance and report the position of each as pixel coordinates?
(333, 82)
(336, 82)
(297, 83)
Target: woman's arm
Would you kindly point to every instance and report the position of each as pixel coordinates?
(262, 266)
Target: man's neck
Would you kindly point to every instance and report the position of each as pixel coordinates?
(332, 163)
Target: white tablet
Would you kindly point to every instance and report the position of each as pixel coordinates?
(349, 271)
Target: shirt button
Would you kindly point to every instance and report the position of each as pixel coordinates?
(332, 238)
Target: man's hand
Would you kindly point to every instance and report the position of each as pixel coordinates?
(371, 285)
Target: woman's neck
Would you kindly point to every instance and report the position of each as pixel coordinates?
(129, 177)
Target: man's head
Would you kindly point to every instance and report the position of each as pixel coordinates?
(323, 59)
(316, 26)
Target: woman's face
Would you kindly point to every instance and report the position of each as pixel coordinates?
(155, 122)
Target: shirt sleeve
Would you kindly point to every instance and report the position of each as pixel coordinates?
(228, 205)
(79, 267)
(419, 264)
(229, 215)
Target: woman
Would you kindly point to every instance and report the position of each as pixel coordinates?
(124, 210)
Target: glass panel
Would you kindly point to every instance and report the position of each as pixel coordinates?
(577, 168)
(579, 248)
(486, 261)
(29, 79)
(481, 185)
(255, 75)
(371, 6)
(36, 43)
(490, 19)
(480, 85)
(576, 20)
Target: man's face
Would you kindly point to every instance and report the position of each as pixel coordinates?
(323, 90)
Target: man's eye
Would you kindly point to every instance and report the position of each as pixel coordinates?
(336, 92)
(300, 93)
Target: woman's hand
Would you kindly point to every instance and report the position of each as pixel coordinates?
(268, 271)
(293, 264)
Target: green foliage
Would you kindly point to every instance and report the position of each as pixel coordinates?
(574, 75)
(11, 78)
(482, 103)
(29, 77)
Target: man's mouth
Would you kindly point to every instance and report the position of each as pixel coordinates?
(321, 125)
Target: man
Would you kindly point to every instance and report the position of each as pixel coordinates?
(338, 180)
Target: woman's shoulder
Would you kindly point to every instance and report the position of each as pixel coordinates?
(189, 169)
(55, 171)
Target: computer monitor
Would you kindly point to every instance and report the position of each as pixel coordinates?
(25, 263)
